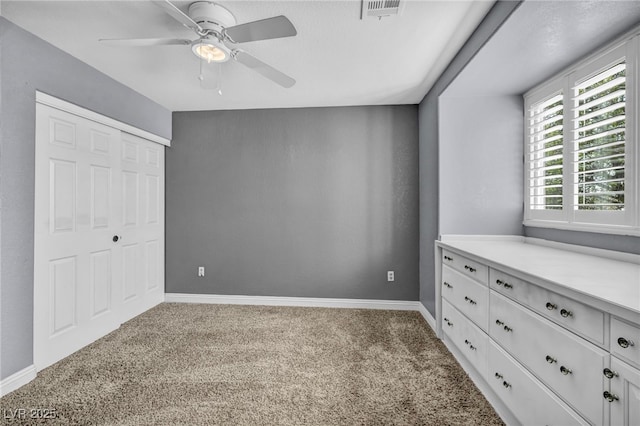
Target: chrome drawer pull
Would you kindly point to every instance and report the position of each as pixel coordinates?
(507, 328)
(498, 375)
(609, 374)
(550, 359)
(446, 284)
(505, 284)
(550, 306)
(449, 323)
(499, 322)
(610, 396)
(564, 370)
(506, 384)
(448, 258)
(624, 343)
(471, 301)
(566, 313)
(469, 268)
(466, 342)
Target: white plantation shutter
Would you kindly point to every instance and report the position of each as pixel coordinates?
(600, 138)
(581, 146)
(546, 128)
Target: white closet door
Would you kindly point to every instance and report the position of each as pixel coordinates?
(142, 213)
(88, 233)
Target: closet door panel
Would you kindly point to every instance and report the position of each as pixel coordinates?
(75, 219)
(99, 231)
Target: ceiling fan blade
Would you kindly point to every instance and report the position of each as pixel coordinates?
(276, 27)
(265, 70)
(143, 42)
(180, 16)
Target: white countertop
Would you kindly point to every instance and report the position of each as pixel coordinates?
(614, 282)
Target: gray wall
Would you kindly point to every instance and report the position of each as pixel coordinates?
(504, 68)
(625, 243)
(480, 165)
(464, 135)
(429, 146)
(313, 202)
(29, 64)
(429, 195)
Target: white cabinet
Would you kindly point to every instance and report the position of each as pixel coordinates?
(555, 342)
(582, 319)
(465, 307)
(471, 268)
(467, 295)
(568, 364)
(519, 388)
(624, 374)
(625, 341)
(624, 395)
(469, 339)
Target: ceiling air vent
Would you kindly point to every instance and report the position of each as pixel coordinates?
(379, 8)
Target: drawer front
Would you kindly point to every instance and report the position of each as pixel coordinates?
(625, 341)
(468, 338)
(465, 294)
(565, 362)
(530, 401)
(467, 266)
(580, 318)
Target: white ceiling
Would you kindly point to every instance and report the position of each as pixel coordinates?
(336, 58)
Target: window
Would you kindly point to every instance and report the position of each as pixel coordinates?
(580, 147)
(546, 129)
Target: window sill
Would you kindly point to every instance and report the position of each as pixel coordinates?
(584, 227)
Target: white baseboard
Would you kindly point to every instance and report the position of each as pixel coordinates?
(17, 380)
(318, 302)
(427, 316)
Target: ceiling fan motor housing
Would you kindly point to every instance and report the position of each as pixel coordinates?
(211, 16)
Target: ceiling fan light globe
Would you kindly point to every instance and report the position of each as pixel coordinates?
(210, 52)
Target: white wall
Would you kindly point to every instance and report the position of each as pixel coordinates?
(480, 158)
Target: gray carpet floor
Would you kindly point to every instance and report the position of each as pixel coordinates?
(256, 365)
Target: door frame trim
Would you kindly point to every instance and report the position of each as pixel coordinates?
(44, 99)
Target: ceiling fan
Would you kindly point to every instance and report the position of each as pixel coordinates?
(215, 26)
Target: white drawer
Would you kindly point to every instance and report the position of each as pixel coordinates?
(580, 318)
(465, 265)
(468, 338)
(529, 400)
(565, 362)
(467, 295)
(625, 341)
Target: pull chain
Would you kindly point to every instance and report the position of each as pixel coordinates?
(211, 76)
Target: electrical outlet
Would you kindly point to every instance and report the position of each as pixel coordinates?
(201, 271)
(391, 276)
